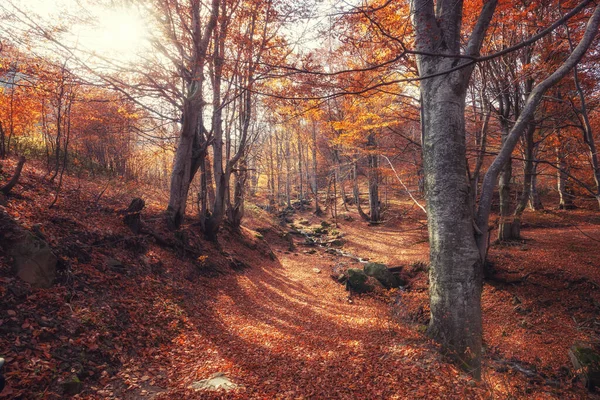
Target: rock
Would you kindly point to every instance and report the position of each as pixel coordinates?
(217, 382)
(586, 360)
(33, 259)
(336, 242)
(374, 283)
(358, 281)
(73, 386)
(382, 274)
(316, 270)
(311, 251)
(115, 265)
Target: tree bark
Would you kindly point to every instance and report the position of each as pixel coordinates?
(315, 183)
(455, 273)
(193, 105)
(374, 203)
(535, 203)
(506, 220)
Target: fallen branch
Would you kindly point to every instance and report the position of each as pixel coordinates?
(13, 181)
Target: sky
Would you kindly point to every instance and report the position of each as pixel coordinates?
(120, 31)
(109, 31)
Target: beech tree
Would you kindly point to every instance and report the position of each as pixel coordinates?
(458, 234)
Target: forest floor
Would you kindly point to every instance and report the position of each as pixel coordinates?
(132, 318)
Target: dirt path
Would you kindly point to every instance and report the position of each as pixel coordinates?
(285, 331)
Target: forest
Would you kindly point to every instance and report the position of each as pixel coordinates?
(318, 199)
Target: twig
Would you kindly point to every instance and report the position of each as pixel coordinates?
(405, 188)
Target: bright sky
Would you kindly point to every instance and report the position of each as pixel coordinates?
(110, 31)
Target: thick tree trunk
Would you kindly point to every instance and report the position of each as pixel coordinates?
(455, 272)
(182, 167)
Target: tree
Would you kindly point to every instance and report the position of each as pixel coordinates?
(458, 237)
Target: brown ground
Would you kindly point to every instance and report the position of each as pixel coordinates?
(279, 328)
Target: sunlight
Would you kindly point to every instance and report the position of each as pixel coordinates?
(118, 32)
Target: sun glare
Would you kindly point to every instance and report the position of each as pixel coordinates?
(118, 32)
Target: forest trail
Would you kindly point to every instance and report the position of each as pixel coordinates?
(283, 330)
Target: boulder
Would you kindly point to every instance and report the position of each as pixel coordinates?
(586, 360)
(358, 281)
(33, 259)
(382, 274)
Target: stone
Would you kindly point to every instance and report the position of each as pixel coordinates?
(217, 382)
(358, 281)
(115, 265)
(72, 387)
(316, 270)
(382, 274)
(34, 261)
(586, 361)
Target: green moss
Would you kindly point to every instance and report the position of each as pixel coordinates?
(587, 356)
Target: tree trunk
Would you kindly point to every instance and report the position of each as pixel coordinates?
(182, 167)
(562, 183)
(315, 186)
(374, 203)
(506, 219)
(588, 133)
(288, 173)
(527, 179)
(535, 203)
(455, 272)
(300, 178)
(236, 211)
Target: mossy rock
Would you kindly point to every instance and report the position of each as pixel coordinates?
(358, 281)
(382, 274)
(34, 260)
(72, 387)
(586, 360)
